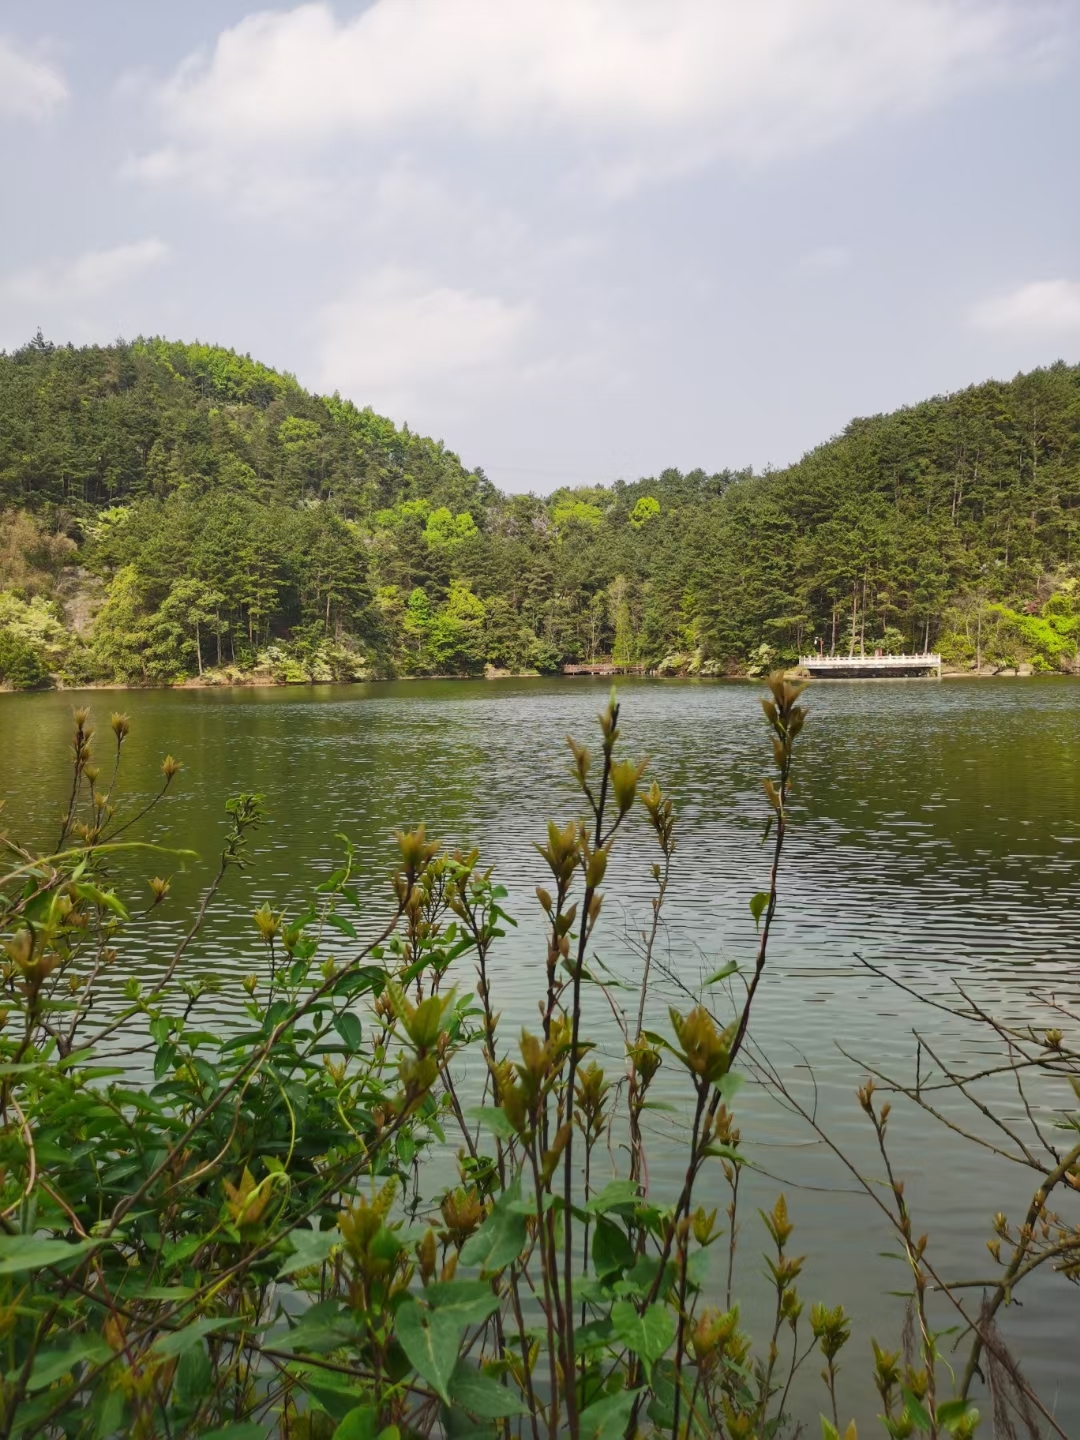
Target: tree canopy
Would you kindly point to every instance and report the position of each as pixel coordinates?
(184, 509)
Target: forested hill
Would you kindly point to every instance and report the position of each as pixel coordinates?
(170, 509)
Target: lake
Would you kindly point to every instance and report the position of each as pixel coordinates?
(937, 835)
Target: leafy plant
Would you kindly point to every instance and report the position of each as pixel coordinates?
(22, 665)
(255, 1237)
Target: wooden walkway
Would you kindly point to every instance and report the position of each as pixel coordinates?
(870, 667)
(601, 667)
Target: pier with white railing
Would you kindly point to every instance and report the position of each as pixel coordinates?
(870, 667)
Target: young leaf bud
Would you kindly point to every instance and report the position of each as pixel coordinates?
(596, 869)
(267, 923)
(426, 1252)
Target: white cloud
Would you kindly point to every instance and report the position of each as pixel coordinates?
(397, 335)
(29, 87)
(1045, 307)
(648, 85)
(85, 277)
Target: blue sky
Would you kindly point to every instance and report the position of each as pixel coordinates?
(576, 239)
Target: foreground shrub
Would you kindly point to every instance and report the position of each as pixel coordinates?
(249, 1234)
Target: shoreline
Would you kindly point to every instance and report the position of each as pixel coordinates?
(262, 682)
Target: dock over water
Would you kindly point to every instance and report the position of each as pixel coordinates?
(603, 667)
(870, 667)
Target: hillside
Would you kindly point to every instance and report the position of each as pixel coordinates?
(170, 510)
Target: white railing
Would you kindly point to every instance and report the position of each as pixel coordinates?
(876, 662)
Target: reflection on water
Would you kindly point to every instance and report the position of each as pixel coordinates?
(938, 836)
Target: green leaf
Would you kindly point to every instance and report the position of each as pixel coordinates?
(916, 1410)
(618, 1197)
(726, 1152)
(649, 1335)
(105, 898)
(194, 1377)
(594, 1335)
(697, 1267)
(351, 1031)
(729, 1085)
(611, 1250)
(206, 1072)
(431, 1341)
(52, 1365)
(310, 1247)
(339, 922)
(953, 1412)
(502, 1236)
(111, 1414)
(323, 1328)
(592, 1290)
(492, 1120)
(174, 1253)
(758, 905)
(362, 979)
(333, 880)
(469, 1301)
(358, 1424)
(241, 1430)
(725, 970)
(406, 1148)
(385, 1245)
(177, 1341)
(160, 1028)
(661, 1409)
(22, 1253)
(164, 1061)
(483, 1396)
(607, 1419)
(330, 1391)
(950, 1411)
(829, 1430)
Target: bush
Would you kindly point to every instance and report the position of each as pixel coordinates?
(22, 666)
(232, 1242)
(1005, 637)
(231, 1249)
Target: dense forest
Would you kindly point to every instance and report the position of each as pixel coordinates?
(171, 510)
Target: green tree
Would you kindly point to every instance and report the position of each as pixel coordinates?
(645, 509)
(456, 632)
(622, 651)
(180, 463)
(122, 628)
(445, 531)
(22, 665)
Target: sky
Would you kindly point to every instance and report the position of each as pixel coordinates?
(575, 239)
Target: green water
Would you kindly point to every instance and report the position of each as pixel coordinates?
(938, 836)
